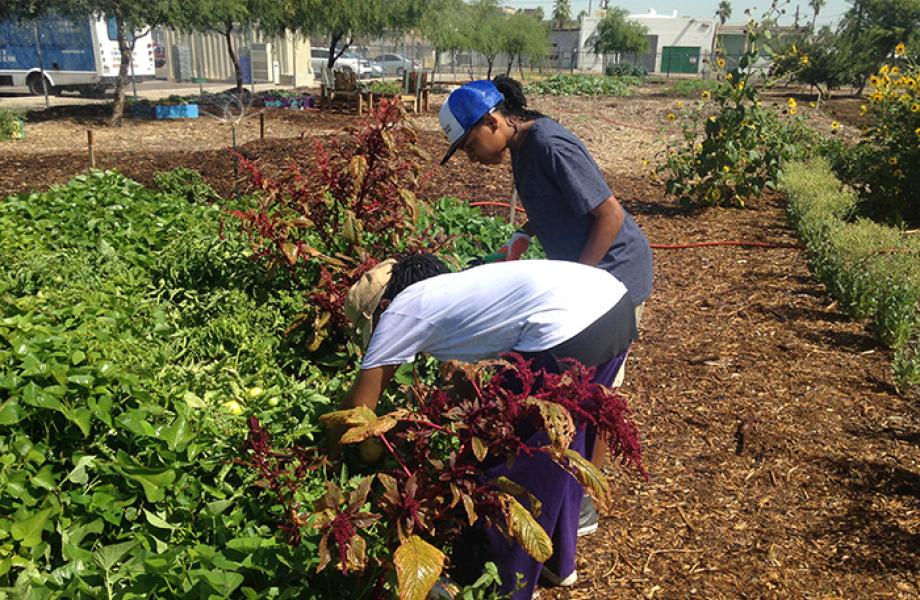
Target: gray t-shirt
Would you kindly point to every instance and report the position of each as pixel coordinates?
(559, 184)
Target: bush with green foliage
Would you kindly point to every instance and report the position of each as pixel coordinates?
(583, 85)
(873, 270)
(11, 124)
(693, 88)
(625, 70)
(884, 165)
(732, 147)
(188, 182)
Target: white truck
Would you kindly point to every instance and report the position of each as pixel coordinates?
(77, 54)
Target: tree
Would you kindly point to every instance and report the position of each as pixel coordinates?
(487, 31)
(562, 13)
(445, 23)
(133, 20)
(222, 17)
(724, 12)
(343, 21)
(816, 6)
(870, 29)
(523, 35)
(615, 34)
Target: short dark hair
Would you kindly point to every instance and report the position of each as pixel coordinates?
(412, 269)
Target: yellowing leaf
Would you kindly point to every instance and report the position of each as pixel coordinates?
(480, 450)
(418, 566)
(360, 415)
(357, 168)
(525, 529)
(557, 421)
(590, 477)
(361, 433)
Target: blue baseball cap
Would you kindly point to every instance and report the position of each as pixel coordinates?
(464, 108)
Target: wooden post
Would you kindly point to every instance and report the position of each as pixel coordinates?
(261, 126)
(92, 151)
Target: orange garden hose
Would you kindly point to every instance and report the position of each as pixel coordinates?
(675, 246)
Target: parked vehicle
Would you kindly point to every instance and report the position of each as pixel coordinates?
(396, 64)
(347, 63)
(80, 54)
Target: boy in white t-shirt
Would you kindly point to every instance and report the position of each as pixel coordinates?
(548, 311)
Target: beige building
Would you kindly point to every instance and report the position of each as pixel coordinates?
(264, 59)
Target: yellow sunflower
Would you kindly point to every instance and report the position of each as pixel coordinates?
(900, 49)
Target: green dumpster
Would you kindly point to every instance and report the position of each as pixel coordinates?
(680, 59)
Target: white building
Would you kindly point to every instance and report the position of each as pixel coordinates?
(676, 44)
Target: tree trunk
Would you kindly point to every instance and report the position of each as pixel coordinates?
(333, 42)
(234, 58)
(437, 60)
(491, 61)
(521, 67)
(510, 64)
(118, 107)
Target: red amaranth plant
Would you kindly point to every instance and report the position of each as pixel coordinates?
(353, 205)
(433, 483)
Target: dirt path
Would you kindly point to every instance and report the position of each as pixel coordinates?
(782, 463)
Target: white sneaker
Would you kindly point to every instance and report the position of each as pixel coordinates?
(557, 581)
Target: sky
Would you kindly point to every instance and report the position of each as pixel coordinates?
(830, 14)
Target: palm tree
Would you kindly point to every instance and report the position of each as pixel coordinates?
(723, 14)
(562, 13)
(816, 6)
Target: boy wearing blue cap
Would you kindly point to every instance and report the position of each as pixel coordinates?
(569, 204)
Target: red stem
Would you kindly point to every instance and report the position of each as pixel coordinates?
(392, 450)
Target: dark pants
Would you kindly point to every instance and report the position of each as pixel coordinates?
(604, 344)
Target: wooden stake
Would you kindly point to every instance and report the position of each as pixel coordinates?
(261, 126)
(92, 151)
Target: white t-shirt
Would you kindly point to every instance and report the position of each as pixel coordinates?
(525, 305)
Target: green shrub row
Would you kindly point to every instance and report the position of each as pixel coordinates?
(871, 269)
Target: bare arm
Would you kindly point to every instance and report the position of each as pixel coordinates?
(369, 386)
(608, 220)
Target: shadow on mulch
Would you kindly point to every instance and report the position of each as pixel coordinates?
(845, 340)
(866, 538)
(888, 433)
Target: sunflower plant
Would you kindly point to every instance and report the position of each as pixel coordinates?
(731, 147)
(888, 156)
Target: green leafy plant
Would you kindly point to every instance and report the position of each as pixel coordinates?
(883, 164)
(872, 269)
(185, 182)
(693, 88)
(583, 85)
(731, 146)
(11, 124)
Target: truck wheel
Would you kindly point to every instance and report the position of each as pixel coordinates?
(35, 85)
(400, 71)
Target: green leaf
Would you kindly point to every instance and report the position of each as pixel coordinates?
(78, 473)
(29, 530)
(154, 481)
(107, 556)
(77, 357)
(35, 396)
(158, 521)
(10, 413)
(45, 478)
(418, 566)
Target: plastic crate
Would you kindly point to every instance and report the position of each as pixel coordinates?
(175, 111)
